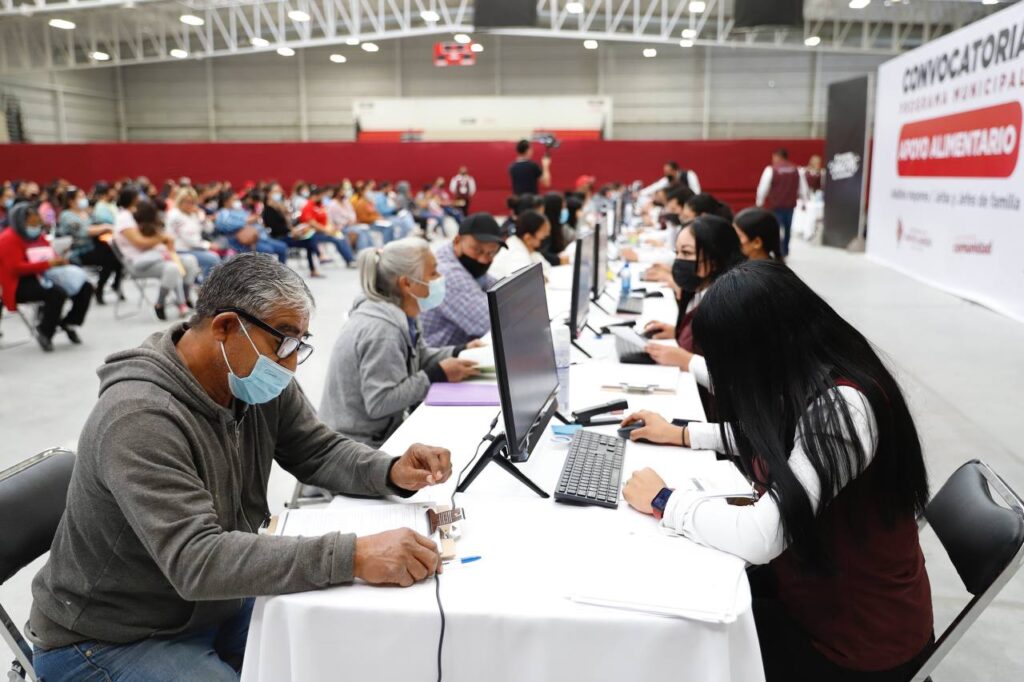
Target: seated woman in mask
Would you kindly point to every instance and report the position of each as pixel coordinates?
(381, 365)
(51, 281)
(705, 250)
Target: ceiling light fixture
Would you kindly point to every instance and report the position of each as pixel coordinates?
(298, 15)
(63, 24)
(689, 33)
(179, 54)
(339, 58)
(430, 15)
(812, 41)
(859, 4)
(477, 47)
(370, 47)
(286, 51)
(685, 42)
(463, 39)
(590, 44)
(100, 56)
(574, 7)
(697, 6)
(650, 52)
(259, 42)
(191, 20)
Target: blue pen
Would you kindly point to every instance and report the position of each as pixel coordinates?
(469, 559)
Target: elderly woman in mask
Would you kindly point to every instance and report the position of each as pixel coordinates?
(28, 278)
(381, 366)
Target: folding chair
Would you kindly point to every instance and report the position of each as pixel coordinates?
(34, 492)
(140, 284)
(24, 318)
(984, 541)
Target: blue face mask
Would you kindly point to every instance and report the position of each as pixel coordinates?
(8, 202)
(265, 382)
(327, 202)
(83, 203)
(33, 233)
(563, 217)
(275, 196)
(435, 297)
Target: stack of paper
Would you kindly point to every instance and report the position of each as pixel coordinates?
(361, 520)
(483, 356)
(666, 576)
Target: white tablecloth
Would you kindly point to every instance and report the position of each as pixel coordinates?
(508, 615)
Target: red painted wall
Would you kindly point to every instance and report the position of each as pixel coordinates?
(728, 169)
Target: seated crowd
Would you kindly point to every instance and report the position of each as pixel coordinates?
(157, 559)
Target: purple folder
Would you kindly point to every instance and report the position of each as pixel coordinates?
(452, 395)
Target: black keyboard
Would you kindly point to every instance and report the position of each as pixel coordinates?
(630, 305)
(630, 347)
(592, 473)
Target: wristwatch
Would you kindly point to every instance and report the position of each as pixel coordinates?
(659, 502)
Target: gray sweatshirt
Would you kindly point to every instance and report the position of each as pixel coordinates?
(168, 492)
(377, 372)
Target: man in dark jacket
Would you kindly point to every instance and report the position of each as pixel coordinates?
(155, 562)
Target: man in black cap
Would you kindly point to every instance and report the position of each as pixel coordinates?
(464, 262)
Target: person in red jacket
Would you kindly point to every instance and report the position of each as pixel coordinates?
(23, 281)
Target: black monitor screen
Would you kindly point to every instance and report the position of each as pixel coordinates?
(600, 258)
(523, 353)
(582, 279)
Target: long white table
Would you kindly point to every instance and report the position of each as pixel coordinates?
(508, 618)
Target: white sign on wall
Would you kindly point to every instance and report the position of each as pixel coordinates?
(482, 118)
(947, 180)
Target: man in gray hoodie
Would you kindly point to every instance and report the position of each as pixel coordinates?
(156, 559)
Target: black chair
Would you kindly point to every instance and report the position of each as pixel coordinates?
(35, 493)
(984, 541)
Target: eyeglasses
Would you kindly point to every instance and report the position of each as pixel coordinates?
(287, 345)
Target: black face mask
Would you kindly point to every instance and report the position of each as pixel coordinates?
(673, 220)
(684, 274)
(474, 267)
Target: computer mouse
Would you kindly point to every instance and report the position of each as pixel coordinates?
(649, 333)
(626, 430)
(655, 294)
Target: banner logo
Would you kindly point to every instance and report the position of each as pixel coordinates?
(983, 143)
(844, 166)
(973, 247)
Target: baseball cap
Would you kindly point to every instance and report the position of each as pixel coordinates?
(585, 180)
(484, 227)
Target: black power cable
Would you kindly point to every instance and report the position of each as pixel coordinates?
(437, 577)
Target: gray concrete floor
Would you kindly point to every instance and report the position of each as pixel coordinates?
(961, 367)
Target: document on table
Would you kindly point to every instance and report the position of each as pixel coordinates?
(663, 575)
(653, 376)
(361, 520)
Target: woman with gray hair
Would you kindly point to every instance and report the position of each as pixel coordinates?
(381, 366)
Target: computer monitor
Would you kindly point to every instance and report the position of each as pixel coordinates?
(524, 358)
(582, 283)
(600, 277)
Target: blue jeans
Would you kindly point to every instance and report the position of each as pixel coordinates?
(207, 260)
(340, 243)
(386, 230)
(785, 218)
(309, 246)
(362, 233)
(212, 655)
(275, 247)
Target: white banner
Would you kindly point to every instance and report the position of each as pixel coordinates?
(947, 182)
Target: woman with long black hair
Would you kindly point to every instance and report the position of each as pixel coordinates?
(705, 250)
(553, 248)
(825, 435)
(759, 234)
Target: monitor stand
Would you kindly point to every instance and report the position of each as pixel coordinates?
(582, 350)
(497, 452)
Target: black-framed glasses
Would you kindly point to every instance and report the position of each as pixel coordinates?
(287, 345)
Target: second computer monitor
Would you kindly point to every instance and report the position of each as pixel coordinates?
(582, 283)
(524, 358)
(600, 277)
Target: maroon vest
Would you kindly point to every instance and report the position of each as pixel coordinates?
(813, 178)
(873, 610)
(785, 186)
(684, 336)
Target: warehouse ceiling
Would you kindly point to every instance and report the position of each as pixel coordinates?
(83, 34)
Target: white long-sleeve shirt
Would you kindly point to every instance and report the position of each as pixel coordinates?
(765, 185)
(691, 179)
(754, 532)
(514, 257)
